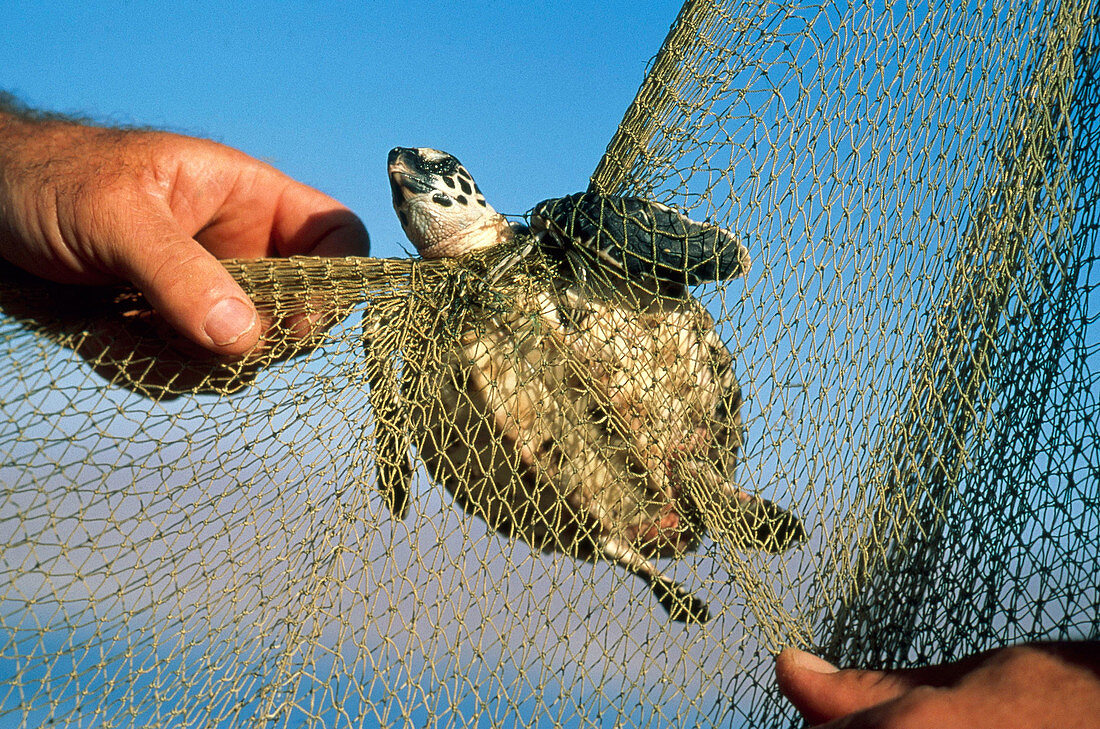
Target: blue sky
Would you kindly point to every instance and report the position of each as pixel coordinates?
(526, 94)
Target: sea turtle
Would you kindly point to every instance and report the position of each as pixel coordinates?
(594, 410)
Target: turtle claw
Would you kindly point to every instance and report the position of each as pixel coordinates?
(680, 604)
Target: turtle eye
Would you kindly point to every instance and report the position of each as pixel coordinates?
(441, 198)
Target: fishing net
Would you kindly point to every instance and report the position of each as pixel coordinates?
(910, 368)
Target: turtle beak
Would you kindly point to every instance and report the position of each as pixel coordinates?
(398, 153)
(398, 161)
(406, 178)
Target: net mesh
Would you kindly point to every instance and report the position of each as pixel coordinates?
(911, 368)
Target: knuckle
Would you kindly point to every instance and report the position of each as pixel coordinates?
(1022, 654)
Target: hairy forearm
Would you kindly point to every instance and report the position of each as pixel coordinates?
(13, 110)
(30, 137)
(15, 117)
(45, 158)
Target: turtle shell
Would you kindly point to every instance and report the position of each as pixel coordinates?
(595, 415)
(645, 239)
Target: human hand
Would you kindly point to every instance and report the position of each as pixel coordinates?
(87, 205)
(1054, 685)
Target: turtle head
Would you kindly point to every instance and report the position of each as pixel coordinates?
(441, 209)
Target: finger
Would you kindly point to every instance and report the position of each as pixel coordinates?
(189, 287)
(308, 222)
(822, 693)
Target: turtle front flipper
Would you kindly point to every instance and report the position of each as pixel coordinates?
(648, 241)
(681, 605)
(392, 442)
(393, 472)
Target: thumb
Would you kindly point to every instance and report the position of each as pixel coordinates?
(821, 692)
(189, 288)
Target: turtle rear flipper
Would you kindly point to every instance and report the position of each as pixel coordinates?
(681, 605)
(766, 526)
(747, 521)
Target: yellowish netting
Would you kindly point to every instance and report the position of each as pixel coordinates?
(916, 354)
